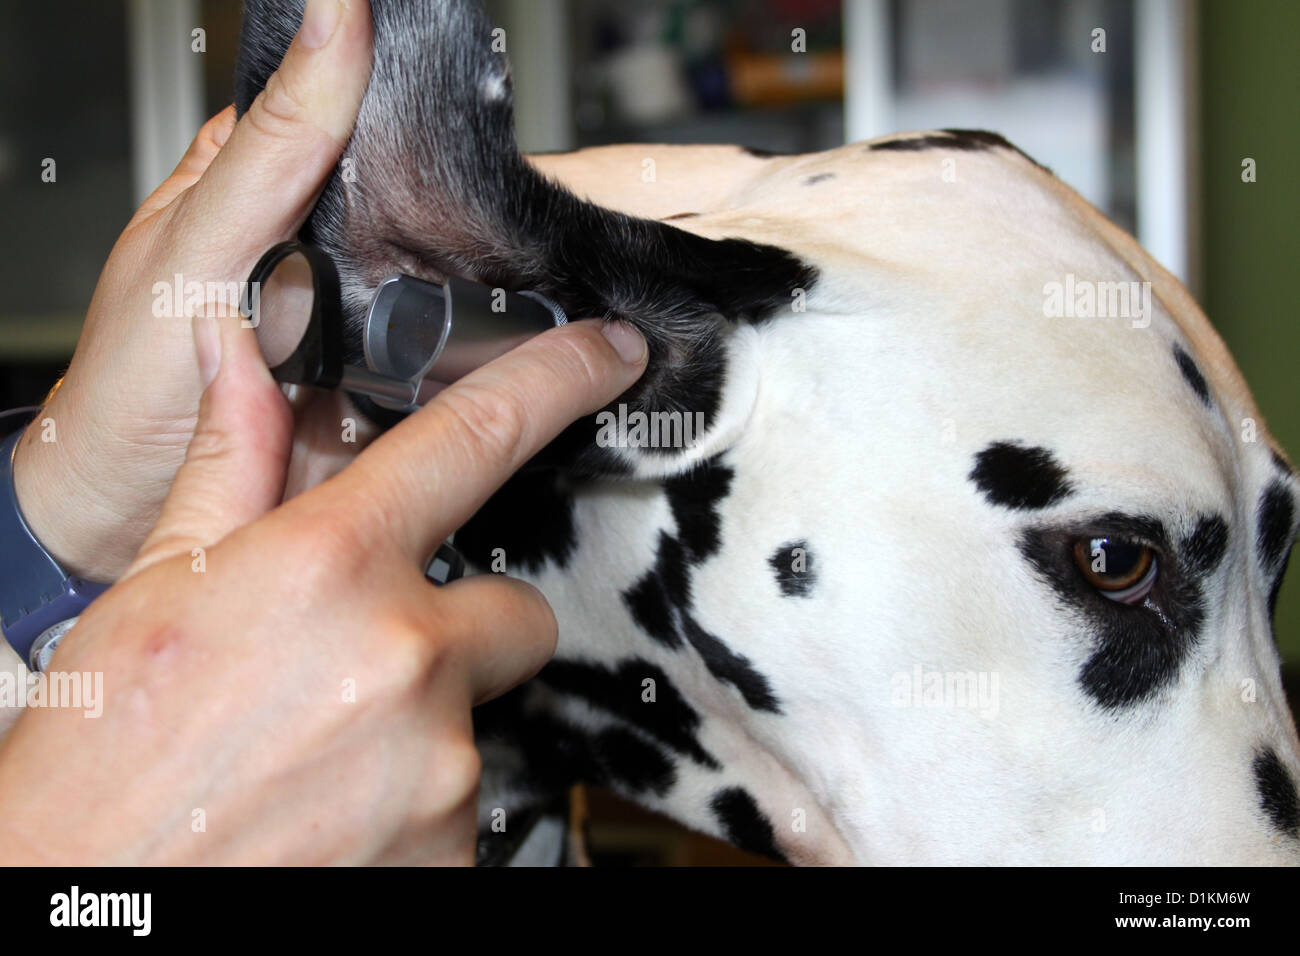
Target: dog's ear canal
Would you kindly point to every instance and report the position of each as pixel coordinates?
(432, 183)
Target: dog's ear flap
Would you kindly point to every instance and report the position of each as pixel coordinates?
(433, 184)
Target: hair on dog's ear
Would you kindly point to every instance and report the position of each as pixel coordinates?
(436, 186)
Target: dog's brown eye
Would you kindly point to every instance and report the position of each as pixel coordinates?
(1122, 570)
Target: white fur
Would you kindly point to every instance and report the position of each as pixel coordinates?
(853, 426)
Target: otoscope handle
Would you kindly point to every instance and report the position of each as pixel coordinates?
(367, 382)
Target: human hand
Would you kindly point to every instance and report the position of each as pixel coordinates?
(125, 411)
(307, 693)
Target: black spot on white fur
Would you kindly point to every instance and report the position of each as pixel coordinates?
(1203, 549)
(694, 498)
(1276, 588)
(557, 753)
(530, 518)
(1187, 365)
(656, 595)
(728, 667)
(621, 692)
(660, 600)
(1017, 476)
(1276, 517)
(793, 564)
(1277, 792)
(744, 824)
(1136, 650)
(819, 178)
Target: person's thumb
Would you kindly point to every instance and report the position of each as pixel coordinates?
(267, 176)
(235, 466)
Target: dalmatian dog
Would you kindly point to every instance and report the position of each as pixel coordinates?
(965, 563)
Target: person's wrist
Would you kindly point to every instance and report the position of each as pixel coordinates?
(71, 518)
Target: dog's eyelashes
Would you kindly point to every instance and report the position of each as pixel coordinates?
(1121, 570)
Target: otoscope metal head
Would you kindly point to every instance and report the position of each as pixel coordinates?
(418, 337)
(435, 334)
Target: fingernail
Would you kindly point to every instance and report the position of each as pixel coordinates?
(319, 20)
(207, 348)
(627, 341)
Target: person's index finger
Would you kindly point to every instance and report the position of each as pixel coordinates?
(422, 480)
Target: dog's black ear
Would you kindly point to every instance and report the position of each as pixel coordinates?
(436, 185)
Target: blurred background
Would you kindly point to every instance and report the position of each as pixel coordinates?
(1148, 107)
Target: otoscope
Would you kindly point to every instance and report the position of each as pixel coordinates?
(418, 338)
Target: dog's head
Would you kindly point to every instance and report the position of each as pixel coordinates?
(986, 570)
(974, 556)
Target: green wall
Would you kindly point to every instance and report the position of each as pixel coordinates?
(1250, 96)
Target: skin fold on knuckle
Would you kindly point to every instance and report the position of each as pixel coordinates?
(213, 445)
(310, 94)
(282, 110)
(164, 542)
(488, 423)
